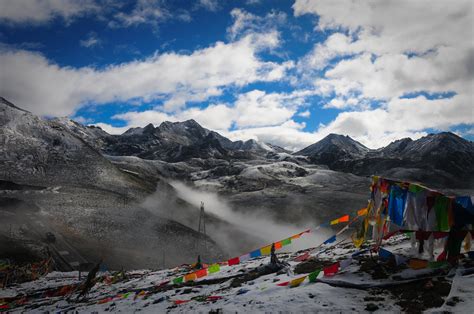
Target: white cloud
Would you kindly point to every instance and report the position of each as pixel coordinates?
(91, 40)
(211, 5)
(150, 12)
(245, 23)
(304, 114)
(56, 90)
(43, 11)
(391, 49)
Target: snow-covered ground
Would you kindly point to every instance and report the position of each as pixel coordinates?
(366, 284)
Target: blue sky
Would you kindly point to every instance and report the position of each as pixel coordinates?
(285, 72)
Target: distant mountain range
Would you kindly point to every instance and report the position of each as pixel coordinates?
(444, 157)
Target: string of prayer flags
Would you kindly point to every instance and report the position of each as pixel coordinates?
(415, 263)
(314, 275)
(296, 282)
(236, 260)
(331, 270)
(214, 268)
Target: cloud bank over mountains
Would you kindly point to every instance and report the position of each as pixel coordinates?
(387, 69)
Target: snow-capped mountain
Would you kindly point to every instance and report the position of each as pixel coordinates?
(442, 159)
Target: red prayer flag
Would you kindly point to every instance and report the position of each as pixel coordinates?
(278, 245)
(178, 302)
(302, 257)
(344, 218)
(213, 298)
(331, 270)
(233, 261)
(283, 284)
(201, 273)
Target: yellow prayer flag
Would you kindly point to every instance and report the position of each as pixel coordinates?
(335, 222)
(296, 282)
(362, 212)
(266, 250)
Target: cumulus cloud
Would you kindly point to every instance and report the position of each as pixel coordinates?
(245, 22)
(56, 90)
(380, 52)
(42, 11)
(151, 12)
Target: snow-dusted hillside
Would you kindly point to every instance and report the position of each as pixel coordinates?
(367, 283)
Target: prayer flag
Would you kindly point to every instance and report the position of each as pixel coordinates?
(295, 236)
(314, 275)
(330, 240)
(345, 263)
(255, 253)
(437, 264)
(302, 257)
(278, 245)
(190, 277)
(417, 263)
(283, 284)
(334, 222)
(125, 295)
(213, 268)
(266, 250)
(331, 270)
(213, 298)
(178, 302)
(362, 212)
(385, 254)
(344, 218)
(201, 273)
(244, 257)
(105, 300)
(441, 208)
(296, 282)
(399, 259)
(233, 261)
(286, 242)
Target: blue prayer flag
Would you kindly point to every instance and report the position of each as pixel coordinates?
(385, 254)
(396, 204)
(330, 240)
(255, 253)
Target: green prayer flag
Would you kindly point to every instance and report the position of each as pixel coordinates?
(441, 208)
(312, 277)
(213, 268)
(178, 280)
(414, 188)
(437, 264)
(286, 242)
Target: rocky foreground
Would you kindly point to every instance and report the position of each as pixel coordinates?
(366, 283)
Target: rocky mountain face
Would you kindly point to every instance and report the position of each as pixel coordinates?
(173, 142)
(442, 159)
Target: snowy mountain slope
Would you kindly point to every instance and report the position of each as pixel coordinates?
(366, 284)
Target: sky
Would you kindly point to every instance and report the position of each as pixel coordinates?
(284, 72)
